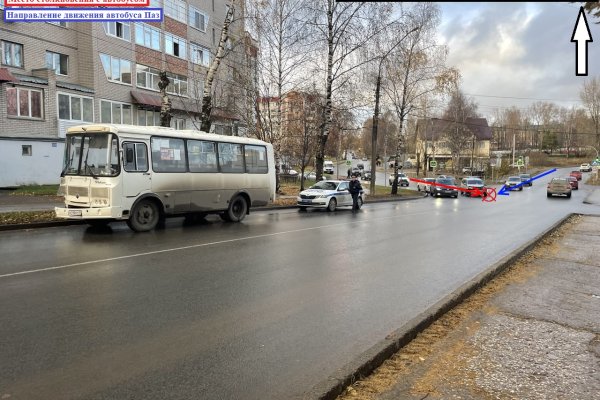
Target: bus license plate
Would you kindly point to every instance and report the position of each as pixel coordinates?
(74, 213)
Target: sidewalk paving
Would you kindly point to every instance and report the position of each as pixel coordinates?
(531, 333)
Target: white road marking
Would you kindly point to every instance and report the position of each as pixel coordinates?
(198, 245)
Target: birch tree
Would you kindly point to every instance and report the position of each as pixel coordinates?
(415, 70)
(342, 29)
(206, 109)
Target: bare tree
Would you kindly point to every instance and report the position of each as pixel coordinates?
(590, 96)
(458, 134)
(415, 70)
(342, 29)
(206, 110)
(282, 35)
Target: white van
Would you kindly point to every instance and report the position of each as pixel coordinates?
(328, 167)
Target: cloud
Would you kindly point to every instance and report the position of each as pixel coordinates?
(516, 50)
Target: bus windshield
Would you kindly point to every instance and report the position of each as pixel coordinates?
(91, 154)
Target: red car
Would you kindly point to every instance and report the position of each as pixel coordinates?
(574, 182)
(576, 174)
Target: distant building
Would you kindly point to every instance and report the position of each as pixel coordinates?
(432, 143)
(56, 75)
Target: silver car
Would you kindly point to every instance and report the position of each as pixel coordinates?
(329, 194)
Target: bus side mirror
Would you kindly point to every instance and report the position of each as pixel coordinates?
(129, 155)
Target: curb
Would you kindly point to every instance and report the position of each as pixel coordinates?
(368, 361)
(53, 224)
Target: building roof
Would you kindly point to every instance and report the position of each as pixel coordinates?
(146, 98)
(433, 128)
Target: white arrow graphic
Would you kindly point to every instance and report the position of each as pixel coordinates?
(581, 35)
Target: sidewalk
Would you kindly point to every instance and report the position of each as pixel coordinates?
(531, 333)
(10, 203)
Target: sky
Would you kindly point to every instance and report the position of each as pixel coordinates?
(513, 54)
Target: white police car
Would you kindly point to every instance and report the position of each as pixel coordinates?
(329, 194)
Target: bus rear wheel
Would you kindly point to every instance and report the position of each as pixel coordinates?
(144, 216)
(237, 210)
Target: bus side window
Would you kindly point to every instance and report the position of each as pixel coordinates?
(135, 157)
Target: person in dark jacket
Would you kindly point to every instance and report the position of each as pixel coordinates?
(355, 189)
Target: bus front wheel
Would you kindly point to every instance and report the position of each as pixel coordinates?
(237, 210)
(144, 217)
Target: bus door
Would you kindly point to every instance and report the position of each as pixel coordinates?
(136, 169)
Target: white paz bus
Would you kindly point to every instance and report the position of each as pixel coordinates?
(144, 174)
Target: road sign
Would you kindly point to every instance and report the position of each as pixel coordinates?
(348, 162)
(433, 163)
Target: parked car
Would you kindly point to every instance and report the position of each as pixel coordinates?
(577, 174)
(513, 181)
(328, 194)
(365, 159)
(525, 178)
(574, 182)
(366, 175)
(328, 167)
(472, 183)
(425, 187)
(466, 170)
(585, 168)
(559, 186)
(360, 166)
(436, 191)
(402, 179)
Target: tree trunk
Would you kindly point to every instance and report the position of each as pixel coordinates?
(320, 154)
(205, 113)
(165, 106)
(374, 134)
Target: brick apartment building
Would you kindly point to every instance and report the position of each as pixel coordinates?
(56, 75)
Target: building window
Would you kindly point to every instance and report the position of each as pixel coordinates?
(198, 19)
(148, 117)
(178, 123)
(213, 36)
(175, 9)
(120, 30)
(12, 54)
(57, 62)
(21, 102)
(147, 77)
(1, 4)
(112, 112)
(26, 150)
(147, 36)
(175, 45)
(177, 85)
(199, 55)
(58, 23)
(116, 69)
(75, 108)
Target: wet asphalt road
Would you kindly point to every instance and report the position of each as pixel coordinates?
(264, 309)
